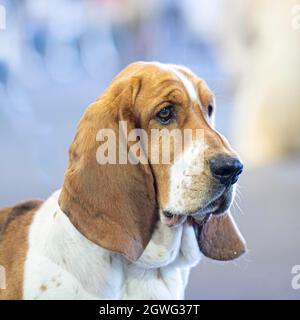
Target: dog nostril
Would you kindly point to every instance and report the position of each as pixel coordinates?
(226, 169)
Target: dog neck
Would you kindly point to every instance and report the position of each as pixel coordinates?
(60, 255)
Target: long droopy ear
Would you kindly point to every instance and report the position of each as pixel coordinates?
(219, 238)
(113, 205)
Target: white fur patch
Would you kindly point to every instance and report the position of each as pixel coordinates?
(62, 264)
(187, 83)
(146, 280)
(183, 174)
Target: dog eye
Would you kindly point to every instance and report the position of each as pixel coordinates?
(210, 110)
(166, 115)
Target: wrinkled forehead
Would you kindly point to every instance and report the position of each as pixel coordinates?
(162, 75)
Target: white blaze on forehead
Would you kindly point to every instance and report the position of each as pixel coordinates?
(188, 84)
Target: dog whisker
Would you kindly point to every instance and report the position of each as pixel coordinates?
(235, 204)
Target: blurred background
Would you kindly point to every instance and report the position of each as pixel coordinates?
(57, 56)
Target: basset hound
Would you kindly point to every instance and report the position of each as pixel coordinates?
(129, 230)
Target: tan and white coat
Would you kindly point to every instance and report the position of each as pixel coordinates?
(104, 234)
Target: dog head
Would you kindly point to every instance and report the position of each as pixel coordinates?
(176, 165)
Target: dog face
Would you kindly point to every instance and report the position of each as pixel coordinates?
(199, 177)
(117, 205)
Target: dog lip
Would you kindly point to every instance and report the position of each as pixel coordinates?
(212, 207)
(174, 219)
(168, 214)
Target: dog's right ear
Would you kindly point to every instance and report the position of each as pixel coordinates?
(113, 205)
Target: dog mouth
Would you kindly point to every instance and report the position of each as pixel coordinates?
(216, 206)
(217, 236)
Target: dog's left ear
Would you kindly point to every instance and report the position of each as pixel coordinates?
(113, 205)
(219, 238)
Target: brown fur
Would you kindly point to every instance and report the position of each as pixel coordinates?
(14, 224)
(219, 239)
(116, 206)
(112, 205)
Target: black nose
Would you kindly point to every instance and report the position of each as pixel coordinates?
(226, 169)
